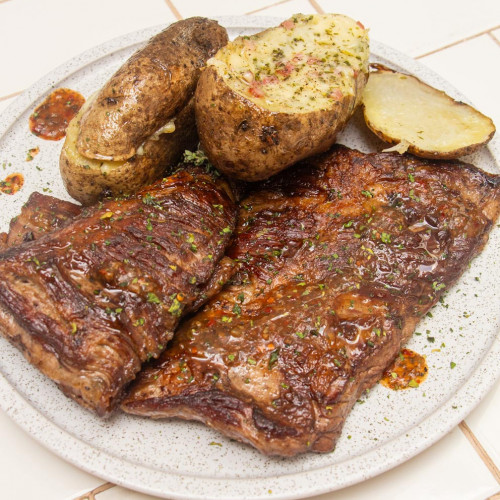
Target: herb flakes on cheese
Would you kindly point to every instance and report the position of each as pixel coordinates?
(307, 63)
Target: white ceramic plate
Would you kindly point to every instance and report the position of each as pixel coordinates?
(183, 460)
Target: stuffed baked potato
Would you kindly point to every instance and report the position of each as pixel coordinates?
(142, 120)
(268, 100)
(87, 179)
(148, 90)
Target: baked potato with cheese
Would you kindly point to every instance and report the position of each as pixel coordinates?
(142, 120)
(88, 179)
(268, 100)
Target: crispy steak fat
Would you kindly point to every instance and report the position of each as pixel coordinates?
(101, 294)
(339, 258)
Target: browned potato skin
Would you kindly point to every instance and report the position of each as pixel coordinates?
(88, 185)
(250, 143)
(432, 155)
(151, 87)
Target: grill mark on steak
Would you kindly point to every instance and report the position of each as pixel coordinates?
(102, 293)
(339, 258)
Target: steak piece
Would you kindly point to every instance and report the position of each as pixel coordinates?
(339, 258)
(90, 302)
(39, 215)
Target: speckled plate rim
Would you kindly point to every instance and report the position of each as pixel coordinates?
(314, 482)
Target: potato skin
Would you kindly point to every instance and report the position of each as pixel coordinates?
(151, 87)
(250, 143)
(430, 154)
(87, 182)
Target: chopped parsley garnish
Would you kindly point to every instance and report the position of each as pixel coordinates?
(438, 286)
(148, 199)
(153, 298)
(195, 157)
(385, 237)
(175, 308)
(273, 358)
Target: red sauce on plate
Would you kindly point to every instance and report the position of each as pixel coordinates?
(409, 370)
(12, 184)
(50, 119)
(32, 153)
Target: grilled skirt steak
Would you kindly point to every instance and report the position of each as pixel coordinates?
(39, 215)
(339, 258)
(90, 302)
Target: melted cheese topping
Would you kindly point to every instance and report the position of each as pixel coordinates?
(305, 64)
(168, 128)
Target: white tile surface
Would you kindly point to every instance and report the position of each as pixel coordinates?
(473, 67)
(496, 34)
(119, 493)
(285, 10)
(37, 36)
(448, 470)
(420, 26)
(483, 422)
(188, 8)
(30, 471)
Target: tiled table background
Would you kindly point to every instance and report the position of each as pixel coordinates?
(458, 39)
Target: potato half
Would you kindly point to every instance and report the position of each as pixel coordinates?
(86, 179)
(266, 101)
(401, 109)
(150, 88)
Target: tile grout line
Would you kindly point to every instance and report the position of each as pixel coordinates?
(91, 495)
(174, 10)
(10, 96)
(317, 6)
(495, 39)
(266, 7)
(457, 42)
(478, 447)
